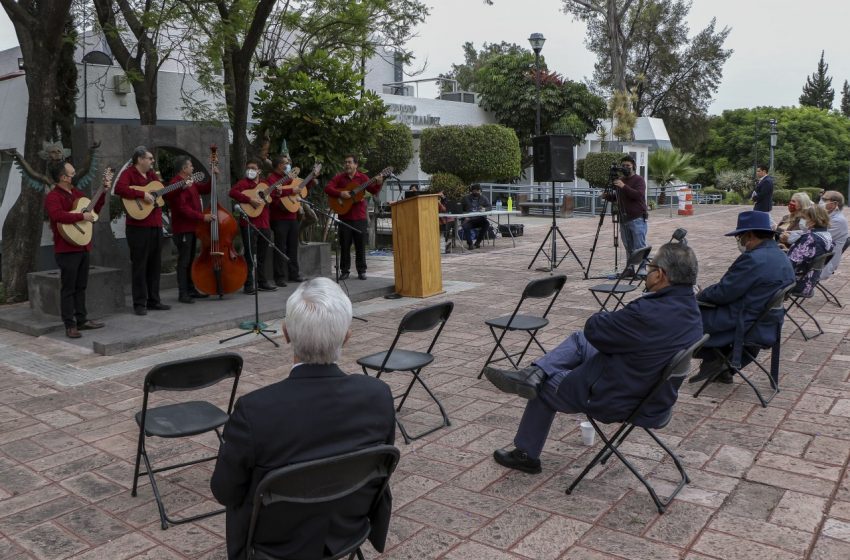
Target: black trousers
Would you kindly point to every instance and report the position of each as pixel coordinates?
(478, 223)
(286, 241)
(145, 246)
(258, 247)
(346, 236)
(185, 243)
(74, 277)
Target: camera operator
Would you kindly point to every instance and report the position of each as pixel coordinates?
(631, 196)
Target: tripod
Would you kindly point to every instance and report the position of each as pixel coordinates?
(552, 255)
(610, 206)
(255, 326)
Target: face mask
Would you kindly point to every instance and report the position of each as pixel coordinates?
(792, 207)
(251, 173)
(288, 168)
(822, 204)
(741, 247)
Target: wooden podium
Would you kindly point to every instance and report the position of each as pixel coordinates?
(416, 246)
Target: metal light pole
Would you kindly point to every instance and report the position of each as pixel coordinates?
(773, 135)
(537, 40)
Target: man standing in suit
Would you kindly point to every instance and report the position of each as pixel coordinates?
(763, 195)
(317, 412)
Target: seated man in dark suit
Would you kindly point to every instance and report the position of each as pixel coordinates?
(609, 367)
(743, 292)
(317, 412)
(475, 202)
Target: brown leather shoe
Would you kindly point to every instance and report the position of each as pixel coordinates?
(72, 332)
(90, 325)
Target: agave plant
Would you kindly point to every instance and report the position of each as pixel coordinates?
(665, 166)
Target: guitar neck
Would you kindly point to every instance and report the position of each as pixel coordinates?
(178, 185)
(364, 186)
(94, 199)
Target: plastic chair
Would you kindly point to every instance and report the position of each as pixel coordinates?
(530, 324)
(311, 493)
(618, 289)
(396, 359)
(796, 299)
(676, 370)
(183, 419)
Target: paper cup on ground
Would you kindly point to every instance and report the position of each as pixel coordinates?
(588, 434)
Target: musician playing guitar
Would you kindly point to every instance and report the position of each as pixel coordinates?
(144, 237)
(187, 212)
(284, 224)
(259, 246)
(338, 187)
(73, 260)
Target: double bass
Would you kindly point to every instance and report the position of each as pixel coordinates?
(219, 269)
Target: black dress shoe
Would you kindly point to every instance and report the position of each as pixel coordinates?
(140, 310)
(280, 283)
(709, 369)
(298, 278)
(90, 325)
(725, 378)
(361, 275)
(249, 290)
(159, 307)
(185, 299)
(524, 382)
(518, 460)
(477, 245)
(266, 287)
(198, 295)
(343, 276)
(72, 332)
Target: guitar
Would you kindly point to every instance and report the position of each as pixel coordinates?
(139, 208)
(80, 233)
(293, 202)
(263, 192)
(343, 205)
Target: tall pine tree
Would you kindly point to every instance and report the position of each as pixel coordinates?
(818, 90)
(845, 99)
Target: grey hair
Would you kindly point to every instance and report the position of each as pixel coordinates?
(138, 153)
(318, 316)
(679, 262)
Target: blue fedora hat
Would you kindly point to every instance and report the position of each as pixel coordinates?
(752, 220)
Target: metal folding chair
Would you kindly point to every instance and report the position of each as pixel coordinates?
(746, 345)
(619, 289)
(674, 373)
(542, 288)
(396, 359)
(312, 492)
(796, 299)
(184, 419)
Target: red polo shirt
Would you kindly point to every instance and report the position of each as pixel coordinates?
(261, 221)
(358, 209)
(58, 204)
(131, 177)
(278, 210)
(185, 204)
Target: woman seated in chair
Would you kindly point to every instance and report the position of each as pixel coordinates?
(794, 220)
(813, 243)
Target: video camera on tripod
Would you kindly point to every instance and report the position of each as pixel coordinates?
(615, 172)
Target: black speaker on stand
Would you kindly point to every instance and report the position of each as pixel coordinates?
(553, 162)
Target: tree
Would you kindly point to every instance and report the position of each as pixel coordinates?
(665, 166)
(465, 74)
(473, 153)
(42, 31)
(818, 92)
(392, 148)
(845, 99)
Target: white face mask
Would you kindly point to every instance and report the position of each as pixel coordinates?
(251, 173)
(741, 247)
(288, 168)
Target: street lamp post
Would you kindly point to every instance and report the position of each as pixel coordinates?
(537, 40)
(773, 135)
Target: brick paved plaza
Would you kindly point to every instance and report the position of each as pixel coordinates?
(766, 483)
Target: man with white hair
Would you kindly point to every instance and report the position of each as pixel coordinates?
(317, 412)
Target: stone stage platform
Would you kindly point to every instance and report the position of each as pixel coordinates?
(126, 331)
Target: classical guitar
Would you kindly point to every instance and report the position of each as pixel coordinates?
(79, 233)
(264, 192)
(139, 208)
(293, 201)
(357, 191)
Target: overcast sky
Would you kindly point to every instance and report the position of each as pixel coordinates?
(776, 43)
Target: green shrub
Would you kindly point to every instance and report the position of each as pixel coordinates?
(652, 204)
(732, 198)
(580, 168)
(712, 190)
(597, 167)
(781, 196)
(740, 182)
(813, 192)
(473, 153)
(780, 180)
(393, 148)
(450, 185)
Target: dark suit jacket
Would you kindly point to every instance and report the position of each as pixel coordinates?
(764, 194)
(317, 412)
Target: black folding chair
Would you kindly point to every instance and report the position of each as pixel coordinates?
(676, 369)
(830, 297)
(396, 359)
(312, 493)
(619, 289)
(796, 299)
(184, 419)
(530, 324)
(746, 345)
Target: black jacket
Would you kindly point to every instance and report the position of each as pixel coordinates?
(317, 412)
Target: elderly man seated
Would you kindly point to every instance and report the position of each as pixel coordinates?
(317, 412)
(743, 291)
(609, 367)
(833, 203)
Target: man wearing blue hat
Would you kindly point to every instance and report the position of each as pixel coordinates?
(743, 292)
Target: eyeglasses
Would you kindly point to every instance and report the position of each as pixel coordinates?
(652, 267)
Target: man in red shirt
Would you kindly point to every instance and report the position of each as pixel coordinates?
(284, 224)
(356, 217)
(186, 213)
(144, 237)
(73, 260)
(258, 246)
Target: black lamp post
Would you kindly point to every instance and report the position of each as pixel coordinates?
(537, 40)
(773, 135)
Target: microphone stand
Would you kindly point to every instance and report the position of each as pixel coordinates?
(255, 326)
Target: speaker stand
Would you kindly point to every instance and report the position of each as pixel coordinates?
(552, 237)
